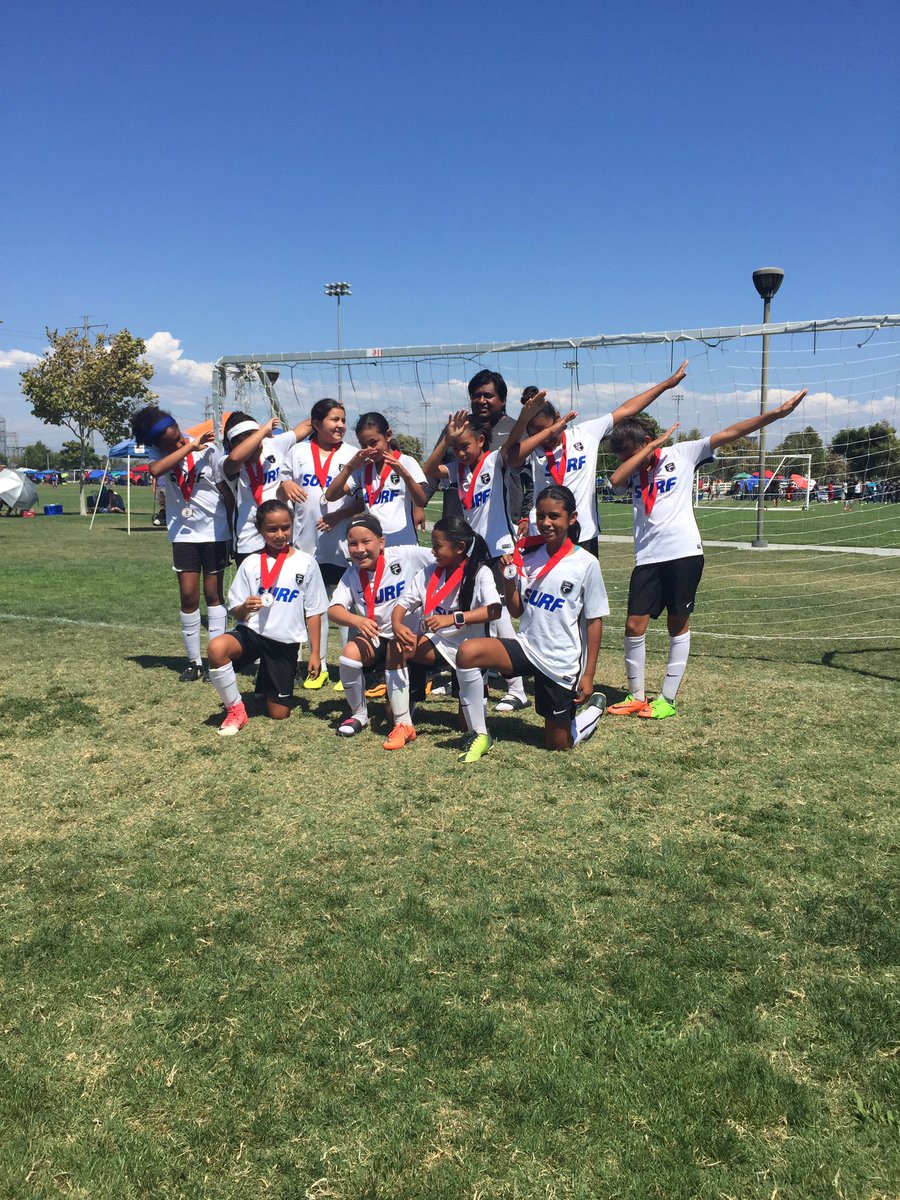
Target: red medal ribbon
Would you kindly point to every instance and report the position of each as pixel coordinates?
(466, 496)
(372, 495)
(370, 591)
(320, 468)
(557, 473)
(186, 479)
(434, 595)
(256, 473)
(648, 482)
(532, 543)
(268, 577)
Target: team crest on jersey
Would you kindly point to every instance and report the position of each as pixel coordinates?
(578, 446)
(670, 466)
(395, 478)
(566, 587)
(271, 458)
(485, 477)
(396, 568)
(298, 579)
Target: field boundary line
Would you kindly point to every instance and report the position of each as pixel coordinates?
(5, 616)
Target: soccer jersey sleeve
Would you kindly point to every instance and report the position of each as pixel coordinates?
(697, 452)
(485, 591)
(242, 586)
(598, 427)
(414, 596)
(596, 602)
(315, 599)
(343, 595)
(285, 442)
(414, 468)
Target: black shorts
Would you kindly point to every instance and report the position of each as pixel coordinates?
(553, 701)
(332, 575)
(277, 662)
(670, 585)
(592, 545)
(210, 557)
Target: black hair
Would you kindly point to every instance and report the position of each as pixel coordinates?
(234, 419)
(376, 420)
(547, 409)
(270, 506)
(565, 497)
(630, 434)
(484, 377)
(322, 408)
(144, 420)
(477, 552)
(528, 392)
(482, 428)
(368, 522)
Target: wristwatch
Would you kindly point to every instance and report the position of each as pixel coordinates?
(459, 619)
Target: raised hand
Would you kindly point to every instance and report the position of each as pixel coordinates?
(293, 491)
(789, 405)
(533, 404)
(458, 423)
(674, 380)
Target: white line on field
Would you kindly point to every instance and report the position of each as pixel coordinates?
(877, 551)
(74, 621)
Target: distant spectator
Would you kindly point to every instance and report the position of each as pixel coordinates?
(115, 503)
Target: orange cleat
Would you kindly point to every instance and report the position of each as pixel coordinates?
(400, 735)
(629, 707)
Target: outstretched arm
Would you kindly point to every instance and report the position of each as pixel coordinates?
(162, 466)
(743, 428)
(248, 448)
(525, 448)
(638, 403)
(511, 451)
(625, 470)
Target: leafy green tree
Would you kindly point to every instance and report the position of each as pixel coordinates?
(807, 441)
(38, 457)
(692, 435)
(89, 387)
(70, 455)
(871, 451)
(409, 445)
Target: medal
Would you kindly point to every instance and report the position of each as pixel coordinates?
(533, 543)
(321, 468)
(268, 577)
(434, 594)
(187, 512)
(509, 571)
(267, 599)
(185, 481)
(370, 590)
(372, 494)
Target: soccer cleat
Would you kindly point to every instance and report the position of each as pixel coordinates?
(475, 747)
(377, 692)
(350, 727)
(658, 709)
(339, 687)
(192, 673)
(399, 736)
(629, 707)
(511, 703)
(235, 720)
(312, 683)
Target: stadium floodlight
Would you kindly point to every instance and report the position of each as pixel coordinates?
(337, 290)
(767, 281)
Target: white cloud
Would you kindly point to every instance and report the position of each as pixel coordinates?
(17, 359)
(167, 356)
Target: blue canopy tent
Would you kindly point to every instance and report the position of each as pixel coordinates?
(128, 449)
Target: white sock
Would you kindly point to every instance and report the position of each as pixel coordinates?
(585, 722)
(323, 640)
(635, 662)
(504, 628)
(398, 695)
(354, 687)
(190, 633)
(471, 698)
(216, 619)
(224, 681)
(679, 649)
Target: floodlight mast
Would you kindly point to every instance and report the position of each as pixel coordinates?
(337, 290)
(767, 281)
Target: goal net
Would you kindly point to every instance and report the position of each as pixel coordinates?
(732, 480)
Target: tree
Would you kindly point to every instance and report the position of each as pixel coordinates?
(409, 445)
(70, 455)
(692, 435)
(89, 387)
(871, 451)
(38, 457)
(807, 441)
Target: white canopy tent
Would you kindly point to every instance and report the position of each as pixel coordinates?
(128, 449)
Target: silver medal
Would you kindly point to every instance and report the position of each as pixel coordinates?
(509, 571)
(187, 512)
(376, 642)
(267, 599)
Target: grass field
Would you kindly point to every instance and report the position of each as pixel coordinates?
(280, 965)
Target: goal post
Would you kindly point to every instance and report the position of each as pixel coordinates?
(733, 479)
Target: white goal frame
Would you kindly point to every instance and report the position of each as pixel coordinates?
(748, 464)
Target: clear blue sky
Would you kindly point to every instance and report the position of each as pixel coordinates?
(477, 171)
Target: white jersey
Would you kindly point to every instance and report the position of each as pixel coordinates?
(448, 640)
(298, 592)
(272, 452)
(207, 519)
(391, 504)
(401, 565)
(555, 609)
(489, 512)
(670, 530)
(299, 467)
(580, 446)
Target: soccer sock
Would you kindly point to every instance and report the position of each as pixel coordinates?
(585, 722)
(679, 649)
(635, 661)
(217, 619)
(471, 698)
(224, 681)
(504, 628)
(354, 687)
(323, 640)
(190, 632)
(398, 695)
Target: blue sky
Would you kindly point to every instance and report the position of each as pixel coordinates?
(197, 172)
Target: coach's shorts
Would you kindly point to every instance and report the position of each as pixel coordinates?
(210, 557)
(332, 575)
(592, 545)
(553, 701)
(670, 585)
(277, 662)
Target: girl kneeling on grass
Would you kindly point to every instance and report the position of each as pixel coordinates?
(557, 590)
(277, 596)
(363, 601)
(456, 593)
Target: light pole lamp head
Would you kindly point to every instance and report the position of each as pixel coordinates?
(338, 289)
(767, 281)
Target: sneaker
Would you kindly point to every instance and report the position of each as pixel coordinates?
(192, 672)
(629, 707)
(378, 692)
(475, 747)
(339, 687)
(658, 708)
(235, 720)
(511, 703)
(400, 735)
(312, 683)
(350, 727)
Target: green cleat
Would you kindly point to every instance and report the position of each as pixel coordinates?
(658, 709)
(475, 747)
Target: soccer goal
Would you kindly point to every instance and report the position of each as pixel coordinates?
(733, 479)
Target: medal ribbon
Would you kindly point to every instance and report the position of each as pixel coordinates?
(648, 482)
(373, 494)
(434, 595)
(466, 496)
(186, 479)
(256, 473)
(266, 576)
(557, 473)
(524, 545)
(370, 590)
(320, 468)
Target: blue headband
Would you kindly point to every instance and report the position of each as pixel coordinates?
(162, 424)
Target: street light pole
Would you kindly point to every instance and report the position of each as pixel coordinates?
(571, 366)
(337, 290)
(767, 281)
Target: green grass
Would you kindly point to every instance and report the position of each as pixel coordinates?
(280, 965)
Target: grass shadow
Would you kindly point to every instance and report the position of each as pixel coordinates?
(828, 660)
